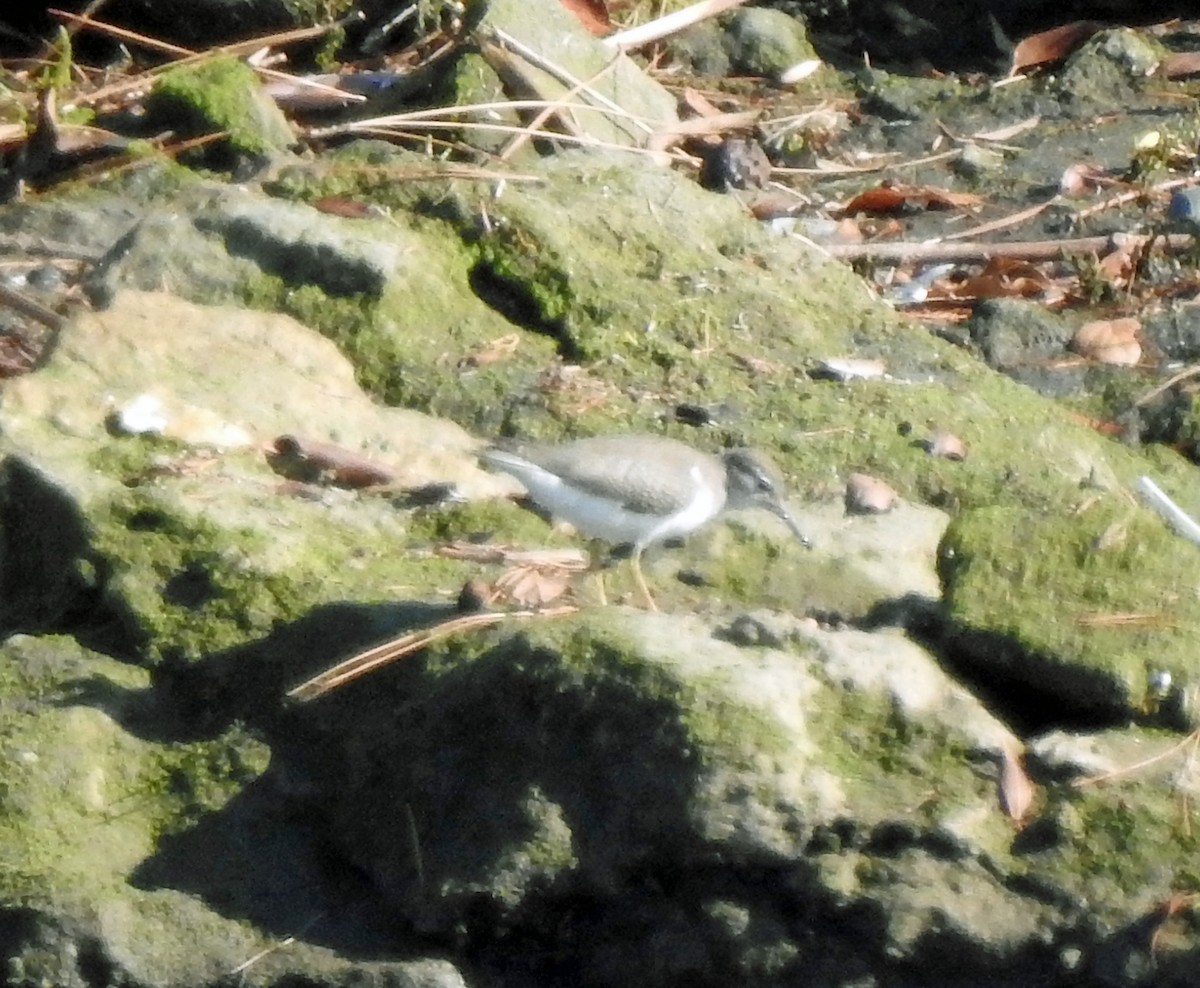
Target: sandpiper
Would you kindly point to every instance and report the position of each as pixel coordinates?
(641, 489)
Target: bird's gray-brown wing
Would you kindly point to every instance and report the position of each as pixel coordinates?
(647, 475)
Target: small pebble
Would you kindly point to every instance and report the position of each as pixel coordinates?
(867, 495)
(736, 163)
(947, 446)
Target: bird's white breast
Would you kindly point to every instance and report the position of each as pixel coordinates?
(603, 518)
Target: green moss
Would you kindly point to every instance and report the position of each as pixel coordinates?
(478, 520)
(83, 799)
(1048, 583)
(57, 73)
(1112, 839)
(894, 764)
(221, 94)
(197, 586)
(197, 778)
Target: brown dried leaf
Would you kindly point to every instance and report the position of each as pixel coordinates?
(592, 14)
(1051, 46)
(308, 461)
(1109, 341)
(1180, 64)
(491, 352)
(1000, 278)
(532, 586)
(1016, 790)
(890, 198)
(355, 209)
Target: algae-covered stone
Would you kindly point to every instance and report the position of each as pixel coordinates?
(500, 779)
(125, 835)
(556, 36)
(1087, 607)
(221, 94)
(1108, 65)
(183, 558)
(765, 42)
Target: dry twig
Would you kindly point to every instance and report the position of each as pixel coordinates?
(644, 34)
(397, 648)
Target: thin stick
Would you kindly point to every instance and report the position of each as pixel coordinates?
(1031, 250)
(582, 140)
(31, 308)
(440, 112)
(234, 48)
(396, 648)
(1091, 780)
(644, 34)
(521, 140)
(81, 20)
(566, 78)
(1170, 382)
(187, 56)
(103, 27)
(1003, 222)
(464, 172)
(866, 169)
(1176, 517)
(1130, 196)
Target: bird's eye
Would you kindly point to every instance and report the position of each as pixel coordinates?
(765, 485)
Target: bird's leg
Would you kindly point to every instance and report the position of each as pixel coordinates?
(596, 565)
(635, 563)
(600, 591)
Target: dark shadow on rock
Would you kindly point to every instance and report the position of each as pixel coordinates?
(248, 684)
(51, 579)
(409, 810)
(268, 855)
(261, 858)
(1028, 691)
(515, 301)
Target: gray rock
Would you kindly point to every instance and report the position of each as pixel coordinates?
(765, 42)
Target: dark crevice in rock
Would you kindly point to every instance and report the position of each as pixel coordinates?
(893, 838)
(192, 587)
(95, 966)
(514, 300)
(1029, 692)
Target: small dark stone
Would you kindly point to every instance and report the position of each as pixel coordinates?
(750, 632)
(473, 597)
(736, 163)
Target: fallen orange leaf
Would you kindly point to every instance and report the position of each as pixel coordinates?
(1051, 46)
